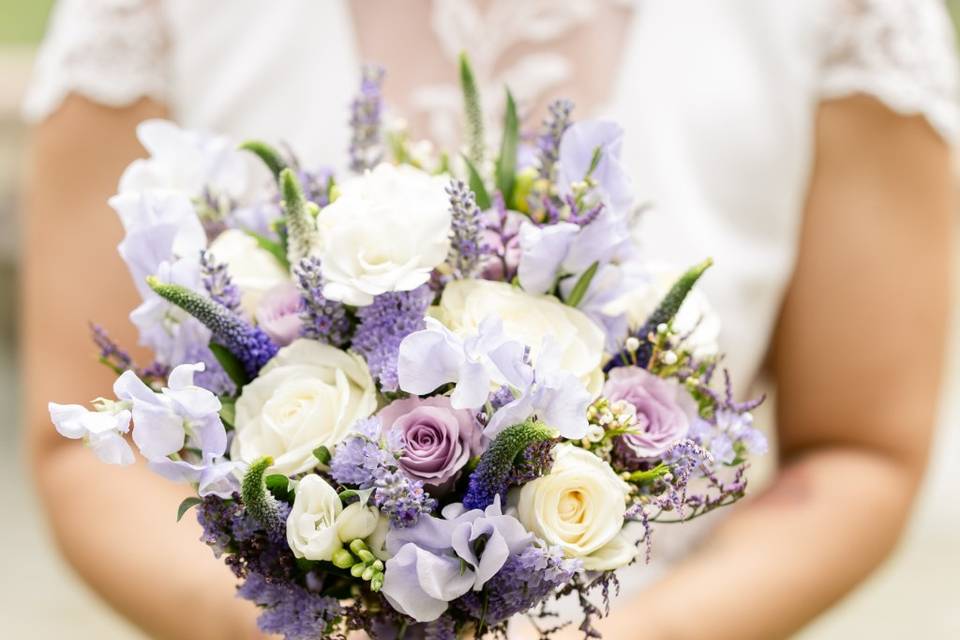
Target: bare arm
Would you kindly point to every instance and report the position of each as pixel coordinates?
(858, 359)
(116, 526)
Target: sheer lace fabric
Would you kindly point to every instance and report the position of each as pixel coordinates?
(112, 52)
(898, 51)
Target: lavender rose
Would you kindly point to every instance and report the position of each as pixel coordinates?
(278, 313)
(438, 439)
(663, 410)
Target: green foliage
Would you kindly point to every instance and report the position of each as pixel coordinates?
(186, 505)
(300, 219)
(322, 454)
(270, 156)
(507, 161)
(670, 304)
(276, 249)
(472, 112)
(258, 500)
(583, 284)
(228, 411)
(231, 365)
(476, 185)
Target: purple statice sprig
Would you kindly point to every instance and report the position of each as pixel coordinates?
(365, 461)
(526, 579)
(291, 610)
(466, 245)
(382, 326)
(323, 320)
(725, 426)
(366, 149)
(218, 283)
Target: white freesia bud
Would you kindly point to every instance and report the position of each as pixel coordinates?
(312, 526)
(377, 540)
(357, 521)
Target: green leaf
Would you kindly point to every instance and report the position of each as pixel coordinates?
(580, 289)
(270, 156)
(186, 505)
(346, 494)
(472, 111)
(476, 185)
(228, 411)
(507, 162)
(594, 161)
(279, 485)
(231, 365)
(322, 454)
(275, 249)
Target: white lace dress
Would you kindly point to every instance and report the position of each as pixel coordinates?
(718, 98)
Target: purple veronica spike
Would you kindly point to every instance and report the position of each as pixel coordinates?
(383, 326)
(323, 319)
(251, 346)
(365, 114)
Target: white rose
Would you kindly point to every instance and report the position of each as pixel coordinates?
(308, 395)
(254, 270)
(386, 231)
(527, 319)
(579, 506)
(312, 530)
(357, 521)
(696, 318)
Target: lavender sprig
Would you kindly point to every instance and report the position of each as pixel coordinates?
(366, 109)
(466, 248)
(218, 283)
(323, 320)
(548, 143)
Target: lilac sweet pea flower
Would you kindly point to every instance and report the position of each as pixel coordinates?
(664, 412)
(181, 415)
(101, 430)
(440, 559)
(577, 147)
(437, 356)
(557, 397)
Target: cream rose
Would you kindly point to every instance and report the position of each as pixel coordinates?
(386, 231)
(254, 270)
(696, 318)
(579, 506)
(527, 319)
(312, 530)
(308, 395)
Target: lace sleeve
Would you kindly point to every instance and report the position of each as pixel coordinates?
(110, 51)
(901, 52)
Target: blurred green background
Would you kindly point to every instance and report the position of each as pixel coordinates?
(916, 592)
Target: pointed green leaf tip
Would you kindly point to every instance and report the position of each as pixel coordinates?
(186, 505)
(476, 185)
(300, 218)
(583, 284)
(472, 111)
(670, 304)
(492, 476)
(257, 499)
(507, 162)
(270, 156)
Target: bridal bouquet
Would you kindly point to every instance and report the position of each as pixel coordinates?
(422, 398)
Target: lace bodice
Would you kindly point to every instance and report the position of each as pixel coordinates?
(899, 51)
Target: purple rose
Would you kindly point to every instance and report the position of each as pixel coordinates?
(664, 410)
(278, 313)
(438, 439)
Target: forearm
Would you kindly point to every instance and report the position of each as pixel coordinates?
(782, 558)
(117, 527)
